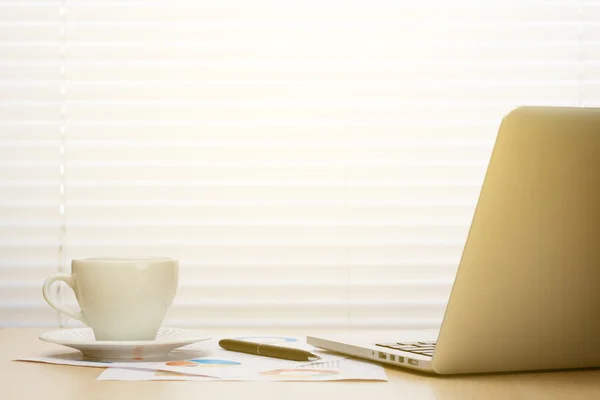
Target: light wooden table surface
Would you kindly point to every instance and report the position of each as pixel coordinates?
(21, 380)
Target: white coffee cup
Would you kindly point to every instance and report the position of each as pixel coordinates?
(120, 298)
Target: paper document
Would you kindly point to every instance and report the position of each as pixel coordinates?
(337, 370)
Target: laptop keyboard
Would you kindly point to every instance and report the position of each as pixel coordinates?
(423, 348)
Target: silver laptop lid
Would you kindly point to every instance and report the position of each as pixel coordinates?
(527, 292)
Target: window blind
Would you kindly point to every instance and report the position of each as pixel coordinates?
(310, 165)
(31, 126)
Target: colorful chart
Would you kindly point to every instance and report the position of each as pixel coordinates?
(299, 373)
(268, 339)
(202, 362)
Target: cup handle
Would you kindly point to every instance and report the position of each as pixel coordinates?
(66, 278)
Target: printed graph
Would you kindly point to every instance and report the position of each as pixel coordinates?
(299, 373)
(323, 365)
(202, 362)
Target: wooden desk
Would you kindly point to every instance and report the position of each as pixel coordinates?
(20, 380)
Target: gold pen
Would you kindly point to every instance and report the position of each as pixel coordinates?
(268, 350)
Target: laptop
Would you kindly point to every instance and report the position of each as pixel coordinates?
(527, 290)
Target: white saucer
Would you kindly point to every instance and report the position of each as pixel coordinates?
(84, 341)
